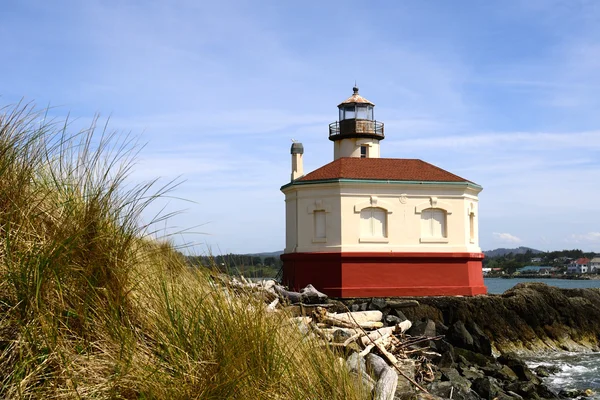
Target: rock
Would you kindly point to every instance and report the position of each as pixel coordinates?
(422, 328)
(522, 388)
(452, 375)
(545, 393)
(397, 303)
(506, 374)
(519, 367)
(486, 387)
(392, 320)
(377, 303)
(359, 307)
(440, 328)
(340, 336)
(474, 358)
(514, 395)
(481, 343)
(459, 336)
(574, 393)
(398, 314)
(446, 360)
(544, 371)
(404, 385)
(541, 371)
(471, 373)
(449, 390)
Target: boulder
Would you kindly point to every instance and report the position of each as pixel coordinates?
(377, 303)
(519, 367)
(486, 387)
(422, 328)
(523, 388)
(474, 358)
(451, 390)
(459, 336)
(452, 375)
(391, 320)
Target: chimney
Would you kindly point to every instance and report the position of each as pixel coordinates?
(297, 166)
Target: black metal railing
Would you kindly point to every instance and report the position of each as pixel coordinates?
(356, 128)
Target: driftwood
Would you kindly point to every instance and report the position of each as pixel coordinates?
(395, 351)
(386, 376)
(358, 317)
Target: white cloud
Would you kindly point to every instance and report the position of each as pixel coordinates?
(507, 237)
(590, 237)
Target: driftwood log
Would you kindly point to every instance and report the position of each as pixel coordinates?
(386, 377)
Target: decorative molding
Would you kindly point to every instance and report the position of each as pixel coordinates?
(318, 205)
(471, 209)
(375, 202)
(374, 240)
(434, 240)
(433, 203)
(403, 198)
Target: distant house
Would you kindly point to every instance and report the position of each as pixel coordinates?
(579, 266)
(536, 259)
(535, 269)
(595, 265)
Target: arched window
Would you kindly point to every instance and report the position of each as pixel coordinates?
(433, 223)
(373, 222)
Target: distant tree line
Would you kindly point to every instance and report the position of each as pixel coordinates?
(511, 262)
(239, 264)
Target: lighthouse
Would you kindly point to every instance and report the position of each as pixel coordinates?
(366, 226)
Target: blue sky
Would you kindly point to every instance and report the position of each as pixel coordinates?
(502, 93)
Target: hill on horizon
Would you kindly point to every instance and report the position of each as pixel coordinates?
(503, 251)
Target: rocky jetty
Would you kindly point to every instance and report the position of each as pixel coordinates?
(484, 337)
(450, 347)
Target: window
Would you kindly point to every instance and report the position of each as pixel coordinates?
(320, 226)
(373, 223)
(349, 112)
(361, 112)
(433, 223)
(363, 151)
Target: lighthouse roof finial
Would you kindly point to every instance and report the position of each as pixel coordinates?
(355, 98)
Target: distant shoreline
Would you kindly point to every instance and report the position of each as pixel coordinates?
(576, 277)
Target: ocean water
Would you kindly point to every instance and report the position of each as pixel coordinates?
(500, 285)
(578, 370)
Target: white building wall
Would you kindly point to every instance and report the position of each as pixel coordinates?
(403, 203)
(351, 148)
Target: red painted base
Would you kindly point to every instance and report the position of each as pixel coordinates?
(386, 274)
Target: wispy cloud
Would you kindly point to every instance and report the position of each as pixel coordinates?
(507, 237)
(590, 237)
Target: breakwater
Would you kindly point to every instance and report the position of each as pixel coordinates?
(529, 318)
(487, 337)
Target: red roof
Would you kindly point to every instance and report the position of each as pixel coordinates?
(393, 169)
(582, 261)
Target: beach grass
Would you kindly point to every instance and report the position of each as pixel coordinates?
(91, 306)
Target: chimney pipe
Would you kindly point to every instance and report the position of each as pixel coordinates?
(297, 166)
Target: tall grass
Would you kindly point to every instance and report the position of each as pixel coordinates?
(90, 307)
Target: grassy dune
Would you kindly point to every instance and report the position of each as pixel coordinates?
(90, 307)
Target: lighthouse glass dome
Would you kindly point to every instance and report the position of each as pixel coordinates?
(356, 111)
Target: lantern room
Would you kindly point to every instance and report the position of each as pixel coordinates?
(357, 133)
